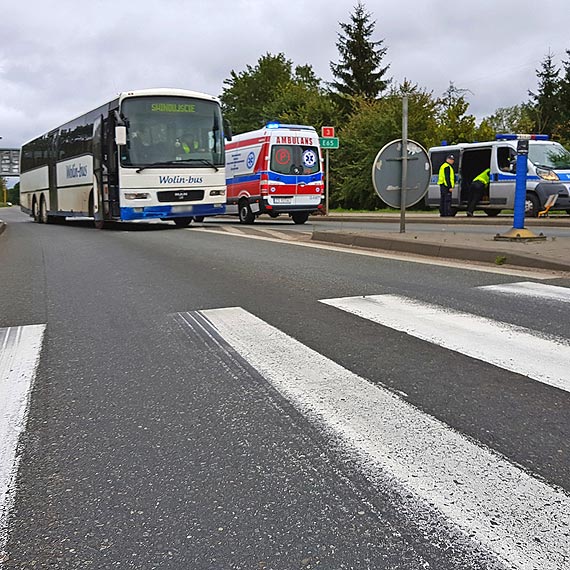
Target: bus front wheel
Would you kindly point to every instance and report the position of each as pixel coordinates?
(182, 222)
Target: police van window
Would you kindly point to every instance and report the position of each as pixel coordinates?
(438, 158)
(506, 156)
(294, 159)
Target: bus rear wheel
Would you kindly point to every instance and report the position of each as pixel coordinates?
(182, 222)
(43, 216)
(246, 216)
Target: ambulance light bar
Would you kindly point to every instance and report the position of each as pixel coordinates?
(277, 125)
(514, 137)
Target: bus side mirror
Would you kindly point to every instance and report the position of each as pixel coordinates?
(121, 135)
(227, 130)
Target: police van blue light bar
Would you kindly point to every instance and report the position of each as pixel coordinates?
(514, 137)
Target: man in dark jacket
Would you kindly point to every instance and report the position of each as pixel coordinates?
(446, 183)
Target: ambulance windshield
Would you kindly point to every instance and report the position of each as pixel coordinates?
(551, 155)
(294, 159)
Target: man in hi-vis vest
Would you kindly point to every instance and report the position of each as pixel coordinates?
(446, 183)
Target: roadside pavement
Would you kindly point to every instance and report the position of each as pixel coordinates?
(553, 253)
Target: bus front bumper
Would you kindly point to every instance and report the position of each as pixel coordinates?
(171, 212)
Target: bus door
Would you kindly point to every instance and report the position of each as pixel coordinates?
(111, 207)
(51, 150)
(96, 202)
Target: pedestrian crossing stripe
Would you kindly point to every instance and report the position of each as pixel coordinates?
(530, 289)
(507, 346)
(519, 518)
(19, 356)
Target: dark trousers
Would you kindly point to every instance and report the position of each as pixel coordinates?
(444, 201)
(476, 192)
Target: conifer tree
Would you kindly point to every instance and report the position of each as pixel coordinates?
(545, 101)
(359, 73)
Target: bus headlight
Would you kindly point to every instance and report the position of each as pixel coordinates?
(136, 196)
(217, 192)
(547, 174)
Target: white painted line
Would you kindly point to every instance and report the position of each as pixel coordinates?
(19, 356)
(409, 258)
(520, 350)
(530, 289)
(519, 518)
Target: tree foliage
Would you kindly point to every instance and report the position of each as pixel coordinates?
(359, 72)
(371, 126)
(270, 90)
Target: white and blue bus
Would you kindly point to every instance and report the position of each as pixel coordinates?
(146, 155)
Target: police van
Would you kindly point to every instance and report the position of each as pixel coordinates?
(548, 174)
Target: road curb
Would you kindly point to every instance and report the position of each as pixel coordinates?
(460, 220)
(439, 250)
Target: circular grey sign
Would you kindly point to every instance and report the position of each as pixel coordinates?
(387, 173)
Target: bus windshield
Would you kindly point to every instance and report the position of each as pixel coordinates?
(167, 130)
(294, 159)
(552, 155)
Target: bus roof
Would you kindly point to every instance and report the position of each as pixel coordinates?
(165, 91)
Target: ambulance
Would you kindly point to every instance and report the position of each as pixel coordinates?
(548, 177)
(275, 170)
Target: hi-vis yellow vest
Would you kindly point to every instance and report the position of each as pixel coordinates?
(441, 180)
(484, 177)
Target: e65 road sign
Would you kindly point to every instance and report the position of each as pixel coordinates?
(331, 142)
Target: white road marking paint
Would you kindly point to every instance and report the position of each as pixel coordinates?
(520, 350)
(522, 520)
(530, 289)
(19, 356)
(467, 266)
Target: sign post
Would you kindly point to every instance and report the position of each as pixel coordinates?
(518, 232)
(327, 141)
(404, 164)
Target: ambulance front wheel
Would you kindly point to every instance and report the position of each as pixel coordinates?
(246, 216)
(300, 217)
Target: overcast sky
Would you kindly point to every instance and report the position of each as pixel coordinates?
(61, 58)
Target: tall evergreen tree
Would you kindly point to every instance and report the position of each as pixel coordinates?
(359, 72)
(545, 100)
(564, 102)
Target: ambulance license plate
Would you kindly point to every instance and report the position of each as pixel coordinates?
(282, 200)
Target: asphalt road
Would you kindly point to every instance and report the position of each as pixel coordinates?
(157, 437)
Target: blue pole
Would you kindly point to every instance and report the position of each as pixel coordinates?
(520, 191)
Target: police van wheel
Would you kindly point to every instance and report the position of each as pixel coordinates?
(300, 217)
(532, 205)
(182, 222)
(246, 216)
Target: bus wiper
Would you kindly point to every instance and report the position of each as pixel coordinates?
(168, 162)
(202, 160)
